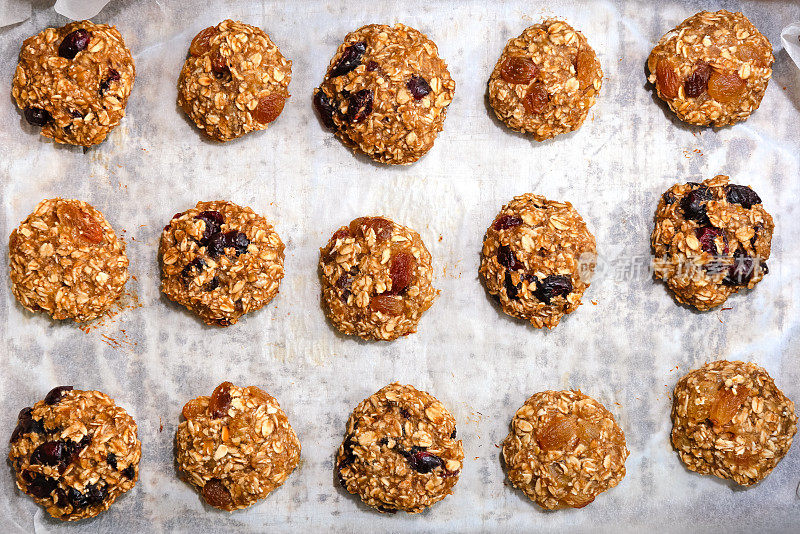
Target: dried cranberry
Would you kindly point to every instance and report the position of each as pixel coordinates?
(38, 116)
(230, 239)
(351, 58)
(41, 486)
(554, 285)
(214, 221)
(505, 222)
(49, 453)
(422, 461)
(56, 394)
(707, 235)
(506, 258)
(129, 472)
(93, 496)
(418, 86)
(742, 195)
(512, 290)
(742, 270)
(74, 42)
(113, 76)
(697, 82)
(193, 268)
(359, 106)
(325, 108)
(693, 204)
(26, 424)
(111, 459)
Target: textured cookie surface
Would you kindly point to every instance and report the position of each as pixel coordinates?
(75, 452)
(710, 240)
(537, 259)
(74, 81)
(67, 261)
(712, 69)
(376, 279)
(564, 449)
(545, 80)
(386, 93)
(236, 446)
(400, 451)
(730, 420)
(234, 80)
(221, 261)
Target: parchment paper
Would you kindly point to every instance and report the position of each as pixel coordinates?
(626, 346)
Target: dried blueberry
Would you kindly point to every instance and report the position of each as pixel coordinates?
(554, 285)
(693, 204)
(742, 195)
(113, 76)
(214, 221)
(50, 453)
(351, 58)
(55, 394)
(39, 485)
(325, 108)
(512, 290)
(418, 87)
(38, 116)
(359, 106)
(506, 258)
(74, 42)
(506, 221)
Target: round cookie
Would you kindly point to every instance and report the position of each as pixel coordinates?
(386, 93)
(75, 452)
(234, 80)
(545, 80)
(730, 420)
(74, 81)
(67, 261)
(710, 240)
(712, 69)
(537, 259)
(236, 446)
(564, 449)
(400, 451)
(376, 279)
(221, 261)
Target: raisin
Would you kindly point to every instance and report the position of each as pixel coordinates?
(380, 226)
(83, 225)
(504, 222)
(359, 106)
(585, 67)
(41, 486)
(559, 434)
(707, 236)
(74, 42)
(697, 82)
(742, 270)
(129, 472)
(212, 284)
(536, 99)
(693, 204)
(38, 116)
(401, 271)
(750, 53)
(214, 221)
(26, 424)
(726, 87)
(49, 453)
(325, 109)
(192, 269)
(348, 456)
(667, 80)
(554, 285)
(192, 409)
(418, 86)
(217, 494)
(113, 76)
(506, 258)
(669, 198)
(372, 66)
(55, 394)
(512, 290)
(269, 107)
(230, 239)
(200, 44)
(518, 69)
(111, 459)
(727, 404)
(422, 461)
(742, 195)
(351, 58)
(93, 496)
(220, 401)
(219, 67)
(386, 304)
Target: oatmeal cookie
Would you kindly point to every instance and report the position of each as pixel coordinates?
(712, 69)
(710, 240)
(545, 80)
(386, 93)
(234, 81)
(537, 259)
(75, 452)
(376, 279)
(221, 261)
(74, 81)
(236, 446)
(730, 420)
(400, 451)
(564, 449)
(67, 261)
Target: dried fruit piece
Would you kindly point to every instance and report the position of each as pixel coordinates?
(743, 268)
(742, 195)
(49, 453)
(38, 116)
(380, 226)
(726, 86)
(588, 432)
(517, 69)
(193, 408)
(325, 108)
(667, 80)
(113, 76)
(559, 434)
(386, 304)
(749, 52)
(74, 42)
(727, 404)
(707, 236)
(585, 66)
(693, 204)
(536, 99)
(217, 494)
(83, 224)
(554, 285)
(214, 221)
(401, 271)
(418, 86)
(56, 394)
(192, 269)
(230, 239)
(269, 107)
(219, 66)
(505, 222)
(422, 461)
(512, 289)
(506, 258)
(41, 486)
(351, 58)
(200, 44)
(697, 82)
(220, 401)
(359, 106)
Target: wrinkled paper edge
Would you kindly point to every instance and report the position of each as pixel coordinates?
(790, 36)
